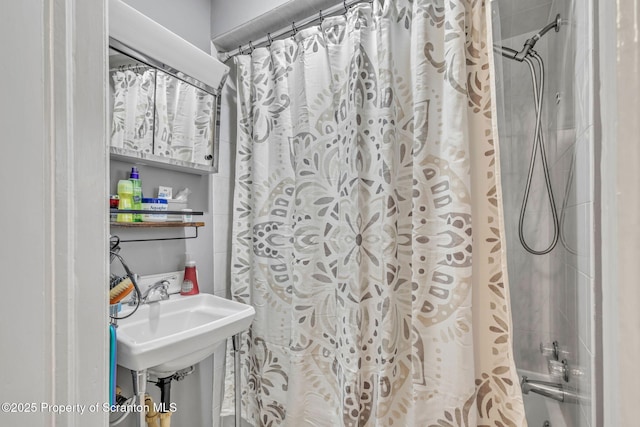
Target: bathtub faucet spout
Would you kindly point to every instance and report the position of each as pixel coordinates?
(553, 391)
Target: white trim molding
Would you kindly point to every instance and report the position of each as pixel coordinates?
(619, 51)
(54, 257)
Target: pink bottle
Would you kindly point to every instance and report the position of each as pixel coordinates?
(190, 282)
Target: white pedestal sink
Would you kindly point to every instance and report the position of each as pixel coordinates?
(166, 336)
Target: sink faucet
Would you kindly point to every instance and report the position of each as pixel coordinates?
(162, 287)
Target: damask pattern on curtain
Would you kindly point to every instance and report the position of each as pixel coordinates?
(368, 228)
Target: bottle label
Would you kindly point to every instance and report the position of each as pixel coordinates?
(187, 286)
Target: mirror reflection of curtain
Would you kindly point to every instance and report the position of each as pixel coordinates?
(184, 122)
(132, 118)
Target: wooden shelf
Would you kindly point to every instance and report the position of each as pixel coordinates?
(168, 224)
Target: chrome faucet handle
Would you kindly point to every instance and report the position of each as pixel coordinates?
(550, 350)
(163, 289)
(559, 370)
(133, 300)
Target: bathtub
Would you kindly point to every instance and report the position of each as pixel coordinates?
(541, 411)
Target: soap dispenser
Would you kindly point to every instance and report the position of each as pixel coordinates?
(190, 282)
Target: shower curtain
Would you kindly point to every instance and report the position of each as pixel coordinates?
(367, 224)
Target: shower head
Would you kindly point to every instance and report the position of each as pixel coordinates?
(530, 43)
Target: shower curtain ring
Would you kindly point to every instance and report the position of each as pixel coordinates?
(250, 46)
(293, 28)
(346, 8)
(320, 17)
(270, 39)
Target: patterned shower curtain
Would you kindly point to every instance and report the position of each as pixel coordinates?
(367, 225)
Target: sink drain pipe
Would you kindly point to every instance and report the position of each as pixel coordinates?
(164, 384)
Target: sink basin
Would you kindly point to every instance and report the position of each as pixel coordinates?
(166, 336)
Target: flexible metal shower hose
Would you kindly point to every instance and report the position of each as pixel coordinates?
(538, 144)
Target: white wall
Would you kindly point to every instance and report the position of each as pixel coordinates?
(227, 15)
(190, 19)
(576, 311)
(27, 243)
(523, 16)
(235, 23)
(620, 155)
(52, 117)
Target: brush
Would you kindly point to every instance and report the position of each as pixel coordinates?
(121, 290)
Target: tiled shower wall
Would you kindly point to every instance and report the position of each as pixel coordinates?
(551, 295)
(223, 185)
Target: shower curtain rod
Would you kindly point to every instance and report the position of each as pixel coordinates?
(293, 28)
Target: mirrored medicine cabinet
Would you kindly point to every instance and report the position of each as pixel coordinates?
(159, 116)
